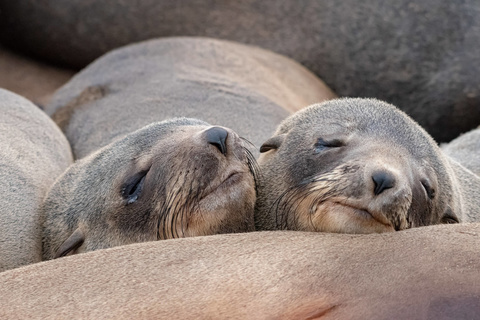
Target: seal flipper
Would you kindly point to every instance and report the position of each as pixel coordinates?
(73, 242)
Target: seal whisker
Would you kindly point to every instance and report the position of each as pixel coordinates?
(170, 203)
(288, 204)
(253, 167)
(248, 142)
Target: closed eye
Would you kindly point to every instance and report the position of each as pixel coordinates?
(322, 144)
(428, 189)
(133, 187)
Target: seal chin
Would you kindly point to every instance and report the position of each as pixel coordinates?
(332, 216)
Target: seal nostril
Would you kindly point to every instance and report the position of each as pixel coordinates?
(383, 180)
(217, 137)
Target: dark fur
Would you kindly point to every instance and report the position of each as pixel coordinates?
(421, 56)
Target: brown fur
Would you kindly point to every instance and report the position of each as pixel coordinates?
(360, 166)
(163, 181)
(422, 273)
(29, 78)
(62, 116)
(33, 153)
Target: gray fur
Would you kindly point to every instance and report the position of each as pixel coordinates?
(371, 132)
(33, 153)
(421, 56)
(244, 88)
(466, 150)
(422, 273)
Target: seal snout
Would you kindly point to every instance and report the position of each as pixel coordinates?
(217, 137)
(382, 180)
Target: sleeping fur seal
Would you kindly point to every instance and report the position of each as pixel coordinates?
(359, 166)
(177, 178)
(109, 113)
(33, 153)
(421, 273)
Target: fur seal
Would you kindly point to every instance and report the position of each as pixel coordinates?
(466, 150)
(33, 153)
(359, 166)
(261, 275)
(247, 89)
(177, 178)
(107, 111)
(420, 56)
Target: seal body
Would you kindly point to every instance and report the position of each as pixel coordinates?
(421, 56)
(359, 166)
(33, 153)
(244, 88)
(265, 275)
(466, 150)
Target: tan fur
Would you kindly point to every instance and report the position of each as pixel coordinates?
(32, 79)
(33, 153)
(359, 166)
(422, 273)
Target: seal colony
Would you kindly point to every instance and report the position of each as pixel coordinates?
(144, 172)
(33, 153)
(359, 166)
(261, 275)
(421, 56)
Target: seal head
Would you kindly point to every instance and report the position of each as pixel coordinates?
(177, 178)
(354, 166)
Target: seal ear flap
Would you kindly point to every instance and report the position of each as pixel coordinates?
(272, 143)
(450, 217)
(73, 242)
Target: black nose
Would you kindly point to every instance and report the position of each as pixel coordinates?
(383, 180)
(217, 137)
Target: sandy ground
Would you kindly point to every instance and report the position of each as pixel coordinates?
(32, 79)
